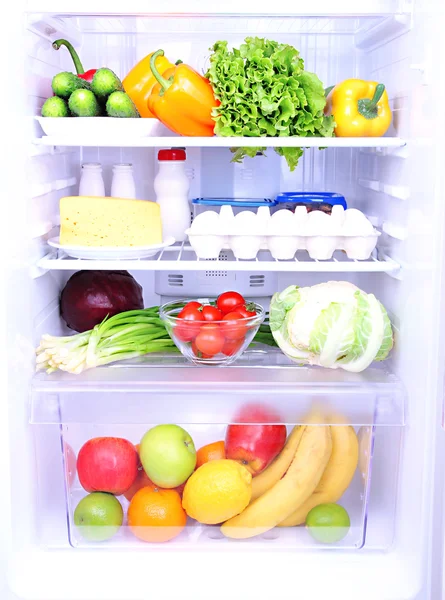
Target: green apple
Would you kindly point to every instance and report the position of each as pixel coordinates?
(98, 516)
(168, 455)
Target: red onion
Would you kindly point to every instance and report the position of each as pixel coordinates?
(89, 296)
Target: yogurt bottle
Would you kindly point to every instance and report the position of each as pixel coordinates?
(172, 186)
(91, 180)
(122, 183)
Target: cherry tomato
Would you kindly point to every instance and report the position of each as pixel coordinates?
(198, 353)
(211, 313)
(246, 310)
(228, 301)
(231, 347)
(189, 325)
(235, 329)
(191, 305)
(210, 339)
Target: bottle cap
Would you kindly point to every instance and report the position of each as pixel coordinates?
(123, 167)
(172, 154)
(91, 165)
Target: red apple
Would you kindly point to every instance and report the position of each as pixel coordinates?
(107, 464)
(255, 446)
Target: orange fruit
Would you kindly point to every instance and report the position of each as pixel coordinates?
(156, 515)
(142, 480)
(214, 451)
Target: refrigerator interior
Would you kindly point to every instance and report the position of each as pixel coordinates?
(390, 495)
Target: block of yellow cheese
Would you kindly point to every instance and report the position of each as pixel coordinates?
(97, 221)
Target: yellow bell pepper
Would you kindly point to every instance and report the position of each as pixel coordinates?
(360, 108)
(140, 82)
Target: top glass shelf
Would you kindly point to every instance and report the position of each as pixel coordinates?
(230, 8)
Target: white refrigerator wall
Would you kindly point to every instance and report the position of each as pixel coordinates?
(409, 207)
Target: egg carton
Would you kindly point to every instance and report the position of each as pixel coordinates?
(283, 233)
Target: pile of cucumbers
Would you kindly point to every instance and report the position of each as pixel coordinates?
(75, 97)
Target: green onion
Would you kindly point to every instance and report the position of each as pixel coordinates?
(126, 335)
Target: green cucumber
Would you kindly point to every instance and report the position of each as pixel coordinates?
(65, 83)
(55, 107)
(83, 103)
(104, 83)
(119, 104)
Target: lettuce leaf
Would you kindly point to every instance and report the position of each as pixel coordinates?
(265, 91)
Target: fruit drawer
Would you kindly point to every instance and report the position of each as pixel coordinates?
(311, 465)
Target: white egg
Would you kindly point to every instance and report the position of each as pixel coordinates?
(206, 222)
(281, 223)
(355, 223)
(319, 223)
(245, 223)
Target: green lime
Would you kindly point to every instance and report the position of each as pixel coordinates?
(328, 523)
(98, 516)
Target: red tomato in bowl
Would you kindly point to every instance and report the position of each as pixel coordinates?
(228, 302)
(188, 324)
(210, 339)
(198, 353)
(211, 313)
(231, 347)
(234, 326)
(245, 310)
(192, 304)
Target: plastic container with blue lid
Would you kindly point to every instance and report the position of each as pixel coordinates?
(312, 200)
(238, 204)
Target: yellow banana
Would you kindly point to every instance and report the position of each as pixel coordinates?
(336, 477)
(300, 480)
(278, 467)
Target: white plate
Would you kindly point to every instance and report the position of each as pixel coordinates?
(103, 126)
(113, 252)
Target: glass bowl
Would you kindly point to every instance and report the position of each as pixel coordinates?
(233, 336)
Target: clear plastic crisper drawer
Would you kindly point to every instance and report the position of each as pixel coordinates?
(127, 401)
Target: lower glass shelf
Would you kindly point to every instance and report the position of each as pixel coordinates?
(163, 389)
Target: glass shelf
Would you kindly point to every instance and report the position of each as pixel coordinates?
(160, 389)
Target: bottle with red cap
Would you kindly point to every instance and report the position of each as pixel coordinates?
(172, 189)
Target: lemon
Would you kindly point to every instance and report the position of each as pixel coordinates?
(217, 491)
(328, 523)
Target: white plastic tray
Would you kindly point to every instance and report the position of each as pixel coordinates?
(111, 253)
(102, 126)
(283, 233)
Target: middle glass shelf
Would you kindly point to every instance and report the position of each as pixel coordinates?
(160, 389)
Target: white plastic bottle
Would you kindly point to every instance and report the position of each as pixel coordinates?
(122, 183)
(91, 180)
(172, 188)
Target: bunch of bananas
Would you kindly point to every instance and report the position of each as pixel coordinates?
(315, 466)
